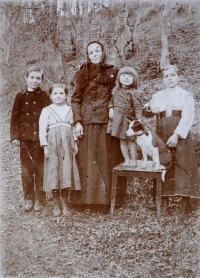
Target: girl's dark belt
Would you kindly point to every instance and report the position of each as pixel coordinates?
(175, 113)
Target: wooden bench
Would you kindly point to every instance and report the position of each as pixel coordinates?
(148, 172)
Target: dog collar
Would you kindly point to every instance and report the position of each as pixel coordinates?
(140, 134)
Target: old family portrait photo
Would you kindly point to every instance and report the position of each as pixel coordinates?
(100, 138)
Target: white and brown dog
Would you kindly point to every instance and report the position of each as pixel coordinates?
(151, 145)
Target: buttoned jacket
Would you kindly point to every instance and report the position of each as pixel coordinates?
(26, 111)
(90, 103)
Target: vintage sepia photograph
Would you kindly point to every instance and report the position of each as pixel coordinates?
(100, 138)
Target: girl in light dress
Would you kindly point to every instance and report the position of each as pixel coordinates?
(60, 147)
(125, 102)
(174, 110)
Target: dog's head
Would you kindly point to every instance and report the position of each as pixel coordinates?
(135, 128)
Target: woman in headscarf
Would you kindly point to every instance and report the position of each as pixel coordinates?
(98, 153)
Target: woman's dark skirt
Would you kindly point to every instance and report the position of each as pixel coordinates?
(98, 153)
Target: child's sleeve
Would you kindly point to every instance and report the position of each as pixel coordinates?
(15, 118)
(187, 117)
(43, 126)
(137, 105)
(111, 103)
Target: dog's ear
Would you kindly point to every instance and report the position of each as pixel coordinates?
(130, 119)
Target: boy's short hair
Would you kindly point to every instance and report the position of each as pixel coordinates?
(58, 85)
(34, 68)
(174, 67)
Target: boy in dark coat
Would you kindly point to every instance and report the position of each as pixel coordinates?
(24, 127)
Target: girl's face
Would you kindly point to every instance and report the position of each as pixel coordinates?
(126, 79)
(94, 53)
(58, 96)
(170, 78)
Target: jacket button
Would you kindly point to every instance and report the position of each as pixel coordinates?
(34, 113)
(35, 132)
(26, 102)
(27, 113)
(34, 102)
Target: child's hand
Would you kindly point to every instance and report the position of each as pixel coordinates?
(147, 107)
(111, 113)
(76, 147)
(172, 141)
(15, 142)
(78, 130)
(45, 152)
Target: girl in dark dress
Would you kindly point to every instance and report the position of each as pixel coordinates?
(125, 103)
(174, 109)
(98, 152)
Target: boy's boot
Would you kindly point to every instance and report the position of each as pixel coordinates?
(56, 207)
(65, 207)
(29, 205)
(38, 205)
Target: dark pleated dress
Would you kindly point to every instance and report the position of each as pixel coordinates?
(182, 178)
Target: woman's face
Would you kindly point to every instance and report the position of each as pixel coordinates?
(170, 78)
(94, 53)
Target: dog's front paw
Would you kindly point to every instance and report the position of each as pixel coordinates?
(143, 165)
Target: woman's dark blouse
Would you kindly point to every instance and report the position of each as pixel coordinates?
(90, 101)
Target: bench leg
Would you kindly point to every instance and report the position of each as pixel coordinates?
(113, 192)
(159, 187)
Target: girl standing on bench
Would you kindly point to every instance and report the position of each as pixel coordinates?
(125, 103)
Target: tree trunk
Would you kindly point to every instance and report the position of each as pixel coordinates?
(165, 22)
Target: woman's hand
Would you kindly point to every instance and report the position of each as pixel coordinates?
(111, 113)
(45, 152)
(172, 141)
(78, 130)
(15, 142)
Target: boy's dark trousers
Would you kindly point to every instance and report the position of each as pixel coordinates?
(32, 164)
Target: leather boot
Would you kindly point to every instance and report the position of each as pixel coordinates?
(56, 207)
(65, 207)
(29, 205)
(38, 205)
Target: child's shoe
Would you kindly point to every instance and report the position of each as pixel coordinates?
(57, 208)
(38, 205)
(29, 205)
(65, 208)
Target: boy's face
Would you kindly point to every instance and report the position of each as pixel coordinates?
(34, 80)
